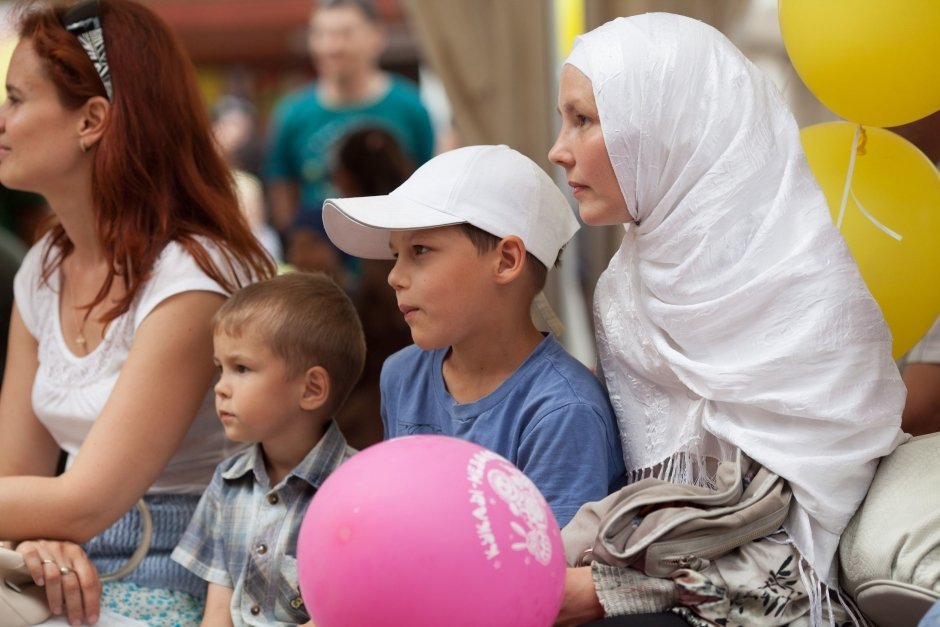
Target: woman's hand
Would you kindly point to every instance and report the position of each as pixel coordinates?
(70, 579)
(580, 603)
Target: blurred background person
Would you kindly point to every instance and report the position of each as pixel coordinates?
(234, 124)
(371, 162)
(921, 374)
(306, 248)
(920, 368)
(345, 42)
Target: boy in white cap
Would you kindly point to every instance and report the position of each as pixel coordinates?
(474, 232)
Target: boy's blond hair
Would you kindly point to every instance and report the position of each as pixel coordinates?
(307, 320)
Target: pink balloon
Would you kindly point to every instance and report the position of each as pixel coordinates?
(427, 531)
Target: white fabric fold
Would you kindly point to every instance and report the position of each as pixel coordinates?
(733, 315)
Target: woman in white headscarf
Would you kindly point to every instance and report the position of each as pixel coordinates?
(732, 317)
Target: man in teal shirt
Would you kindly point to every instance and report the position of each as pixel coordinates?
(351, 92)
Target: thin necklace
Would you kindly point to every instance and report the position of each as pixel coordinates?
(80, 323)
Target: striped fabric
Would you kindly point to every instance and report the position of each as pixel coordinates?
(110, 550)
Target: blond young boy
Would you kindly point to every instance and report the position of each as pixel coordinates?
(288, 351)
(474, 233)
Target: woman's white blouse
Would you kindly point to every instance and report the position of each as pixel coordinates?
(69, 392)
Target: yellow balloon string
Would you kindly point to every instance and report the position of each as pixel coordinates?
(881, 227)
(859, 143)
(848, 175)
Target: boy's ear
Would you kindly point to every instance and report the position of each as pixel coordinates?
(94, 120)
(316, 390)
(511, 254)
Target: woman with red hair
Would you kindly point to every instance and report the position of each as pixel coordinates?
(110, 353)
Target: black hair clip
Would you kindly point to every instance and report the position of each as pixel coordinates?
(84, 21)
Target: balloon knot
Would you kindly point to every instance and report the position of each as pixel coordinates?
(862, 141)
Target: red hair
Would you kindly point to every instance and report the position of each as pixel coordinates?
(157, 175)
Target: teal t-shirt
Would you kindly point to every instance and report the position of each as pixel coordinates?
(304, 131)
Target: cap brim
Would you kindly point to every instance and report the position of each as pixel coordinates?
(360, 226)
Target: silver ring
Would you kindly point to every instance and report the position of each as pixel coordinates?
(48, 562)
(65, 570)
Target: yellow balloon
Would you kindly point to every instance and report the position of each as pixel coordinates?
(874, 62)
(895, 188)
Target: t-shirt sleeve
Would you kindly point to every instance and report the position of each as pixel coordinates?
(409, 119)
(201, 550)
(424, 134)
(567, 455)
(175, 272)
(26, 286)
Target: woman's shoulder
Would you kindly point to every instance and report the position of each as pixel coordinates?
(29, 274)
(183, 258)
(562, 378)
(37, 251)
(178, 270)
(35, 297)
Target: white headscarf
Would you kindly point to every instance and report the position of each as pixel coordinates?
(733, 314)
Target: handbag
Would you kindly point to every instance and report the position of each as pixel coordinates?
(657, 527)
(23, 603)
(890, 550)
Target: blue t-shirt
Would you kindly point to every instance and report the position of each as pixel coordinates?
(304, 131)
(551, 418)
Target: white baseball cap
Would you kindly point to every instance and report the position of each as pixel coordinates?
(494, 188)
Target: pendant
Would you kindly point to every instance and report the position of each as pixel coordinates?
(80, 340)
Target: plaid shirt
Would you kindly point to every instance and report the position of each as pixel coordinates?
(243, 534)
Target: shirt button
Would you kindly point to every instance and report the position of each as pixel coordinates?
(296, 603)
(272, 499)
(255, 610)
(262, 549)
